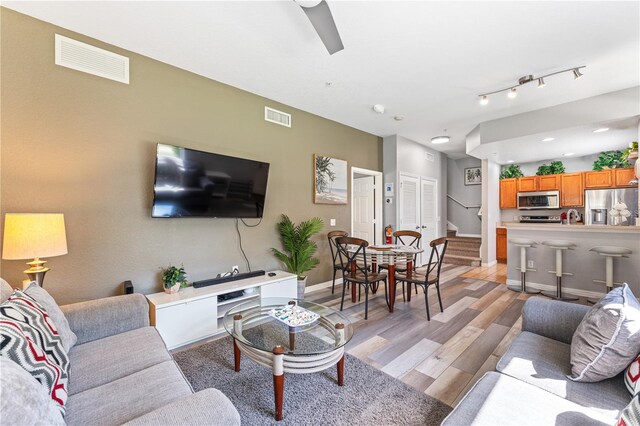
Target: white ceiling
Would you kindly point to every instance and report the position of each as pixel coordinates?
(426, 61)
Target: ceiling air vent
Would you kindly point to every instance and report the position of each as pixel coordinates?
(277, 117)
(92, 60)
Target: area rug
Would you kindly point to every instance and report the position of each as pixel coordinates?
(368, 397)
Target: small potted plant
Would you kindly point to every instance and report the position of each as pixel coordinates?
(631, 153)
(173, 278)
(298, 248)
(511, 171)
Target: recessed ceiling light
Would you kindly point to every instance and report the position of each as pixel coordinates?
(398, 117)
(440, 139)
(576, 74)
(328, 84)
(484, 100)
(510, 161)
(548, 139)
(541, 83)
(512, 93)
(601, 129)
(378, 108)
(568, 154)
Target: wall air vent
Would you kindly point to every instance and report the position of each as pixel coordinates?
(92, 60)
(429, 157)
(278, 117)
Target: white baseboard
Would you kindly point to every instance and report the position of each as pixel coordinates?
(469, 235)
(493, 262)
(321, 286)
(552, 288)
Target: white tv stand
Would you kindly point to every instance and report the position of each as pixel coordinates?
(194, 314)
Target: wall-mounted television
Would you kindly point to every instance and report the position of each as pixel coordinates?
(190, 183)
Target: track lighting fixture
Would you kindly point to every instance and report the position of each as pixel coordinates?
(513, 92)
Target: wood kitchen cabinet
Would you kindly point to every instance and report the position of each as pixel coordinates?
(548, 182)
(623, 176)
(571, 190)
(528, 184)
(508, 191)
(501, 245)
(598, 179)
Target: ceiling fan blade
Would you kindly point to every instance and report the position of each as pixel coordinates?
(322, 20)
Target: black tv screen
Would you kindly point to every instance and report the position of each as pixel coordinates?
(190, 183)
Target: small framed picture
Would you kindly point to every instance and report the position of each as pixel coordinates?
(473, 176)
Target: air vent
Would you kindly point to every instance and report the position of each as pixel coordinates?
(92, 60)
(429, 156)
(278, 117)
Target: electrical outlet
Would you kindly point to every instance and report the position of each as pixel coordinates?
(530, 264)
(235, 270)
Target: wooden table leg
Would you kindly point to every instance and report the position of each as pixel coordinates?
(374, 269)
(278, 379)
(409, 271)
(392, 285)
(353, 284)
(341, 371)
(292, 338)
(237, 329)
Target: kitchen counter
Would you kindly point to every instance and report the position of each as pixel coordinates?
(608, 229)
(584, 264)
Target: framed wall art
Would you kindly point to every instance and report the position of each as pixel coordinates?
(330, 180)
(473, 176)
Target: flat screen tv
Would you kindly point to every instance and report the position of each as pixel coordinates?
(190, 183)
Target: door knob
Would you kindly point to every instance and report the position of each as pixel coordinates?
(417, 227)
(424, 227)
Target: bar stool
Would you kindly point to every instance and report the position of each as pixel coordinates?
(609, 252)
(559, 246)
(523, 243)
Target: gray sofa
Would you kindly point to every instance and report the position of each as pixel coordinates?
(121, 372)
(530, 386)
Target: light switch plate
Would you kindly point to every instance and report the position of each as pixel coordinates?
(332, 222)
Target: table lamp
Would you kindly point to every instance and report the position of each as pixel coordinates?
(34, 235)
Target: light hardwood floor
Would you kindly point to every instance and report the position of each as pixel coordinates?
(446, 356)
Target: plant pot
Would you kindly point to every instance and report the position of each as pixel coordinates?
(302, 284)
(173, 289)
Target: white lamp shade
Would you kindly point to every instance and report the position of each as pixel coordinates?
(33, 235)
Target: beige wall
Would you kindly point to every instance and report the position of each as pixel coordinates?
(85, 146)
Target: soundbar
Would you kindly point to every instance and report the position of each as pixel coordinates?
(236, 277)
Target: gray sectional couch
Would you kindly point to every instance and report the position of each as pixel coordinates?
(121, 373)
(530, 386)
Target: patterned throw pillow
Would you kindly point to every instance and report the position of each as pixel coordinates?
(29, 338)
(630, 416)
(632, 377)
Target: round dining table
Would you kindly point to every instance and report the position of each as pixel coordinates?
(391, 255)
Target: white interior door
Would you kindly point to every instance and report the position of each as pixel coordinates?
(409, 203)
(429, 219)
(364, 208)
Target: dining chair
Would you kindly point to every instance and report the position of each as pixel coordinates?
(431, 276)
(356, 271)
(331, 236)
(405, 238)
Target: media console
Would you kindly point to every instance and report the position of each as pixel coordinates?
(194, 314)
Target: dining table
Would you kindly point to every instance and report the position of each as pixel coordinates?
(391, 255)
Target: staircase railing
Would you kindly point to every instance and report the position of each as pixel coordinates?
(460, 202)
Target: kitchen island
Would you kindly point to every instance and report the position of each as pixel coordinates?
(584, 264)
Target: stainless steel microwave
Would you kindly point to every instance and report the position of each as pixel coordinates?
(546, 200)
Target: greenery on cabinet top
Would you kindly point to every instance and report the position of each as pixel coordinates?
(511, 171)
(611, 160)
(555, 168)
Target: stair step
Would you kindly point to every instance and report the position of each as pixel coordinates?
(462, 260)
(451, 234)
(463, 252)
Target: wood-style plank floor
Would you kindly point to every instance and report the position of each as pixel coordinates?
(446, 356)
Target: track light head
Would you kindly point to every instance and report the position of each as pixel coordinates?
(484, 100)
(576, 73)
(512, 93)
(541, 83)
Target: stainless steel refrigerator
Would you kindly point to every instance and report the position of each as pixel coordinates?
(611, 206)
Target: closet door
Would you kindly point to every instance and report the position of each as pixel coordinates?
(409, 205)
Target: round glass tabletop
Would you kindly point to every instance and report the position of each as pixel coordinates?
(303, 328)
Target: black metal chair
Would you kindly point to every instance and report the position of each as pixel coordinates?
(432, 272)
(331, 236)
(356, 271)
(406, 238)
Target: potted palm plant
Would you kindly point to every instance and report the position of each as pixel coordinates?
(173, 278)
(298, 247)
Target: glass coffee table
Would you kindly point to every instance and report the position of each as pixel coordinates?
(305, 338)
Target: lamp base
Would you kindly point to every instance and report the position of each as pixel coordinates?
(36, 271)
